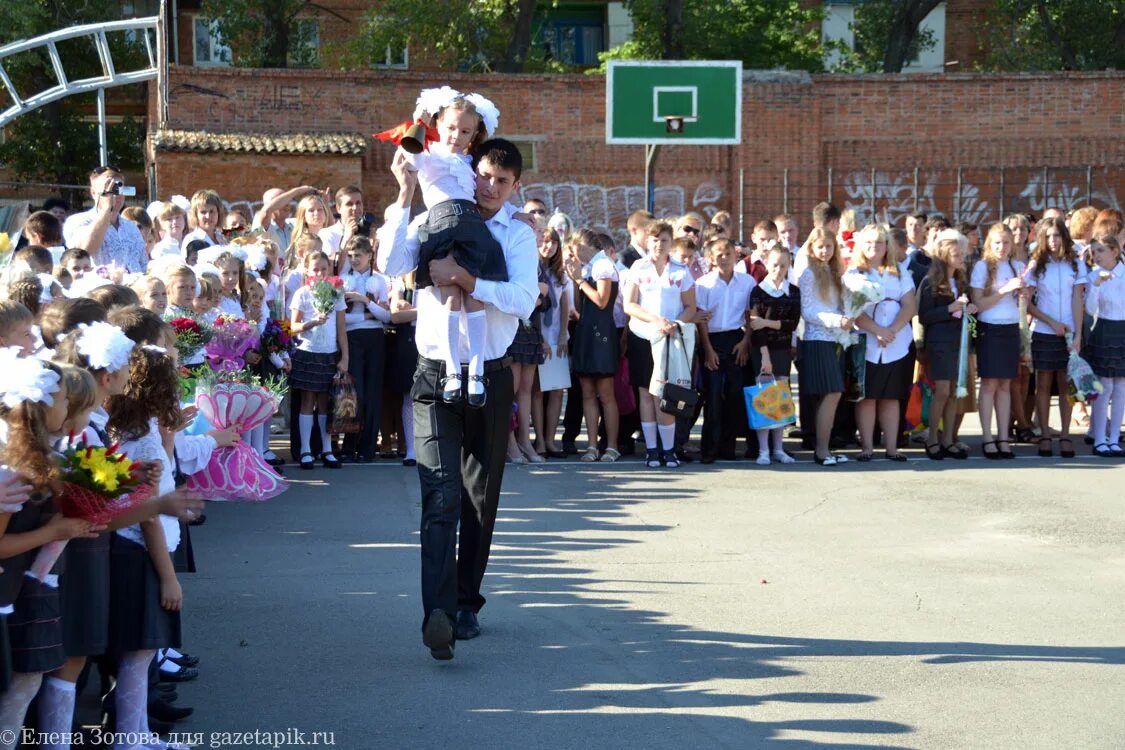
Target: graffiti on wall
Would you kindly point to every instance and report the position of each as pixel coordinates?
(606, 209)
(892, 195)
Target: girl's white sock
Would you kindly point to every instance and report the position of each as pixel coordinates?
(305, 424)
(325, 438)
(667, 436)
(132, 695)
(56, 711)
(478, 336)
(13, 706)
(453, 353)
(1113, 429)
(649, 430)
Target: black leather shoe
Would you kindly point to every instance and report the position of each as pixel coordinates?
(363, 460)
(347, 458)
(684, 457)
(477, 400)
(468, 627)
(330, 461)
(185, 660)
(437, 634)
(451, 389)
(164, 711)
(409, 462)
(184, 675)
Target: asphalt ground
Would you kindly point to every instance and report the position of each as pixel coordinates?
(971, 604)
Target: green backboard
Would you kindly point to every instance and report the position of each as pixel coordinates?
(640, 94)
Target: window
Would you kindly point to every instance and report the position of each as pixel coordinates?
(399, 59)
(526, 146)
(573, 33)
(208, 45)
(304, 43)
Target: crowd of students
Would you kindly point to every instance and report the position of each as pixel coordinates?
(85, 337)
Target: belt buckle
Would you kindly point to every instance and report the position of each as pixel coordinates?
(456, 209)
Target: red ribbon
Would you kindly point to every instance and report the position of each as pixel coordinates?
(396, 134)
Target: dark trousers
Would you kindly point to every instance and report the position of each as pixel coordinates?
(461, 454)
(722, 397)
(367, 355)
(572, 412)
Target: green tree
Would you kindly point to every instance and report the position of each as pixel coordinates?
(888, 35)
(58, 142)
(1031, 35)
(761, 33)
(268, 33)
(485, 35)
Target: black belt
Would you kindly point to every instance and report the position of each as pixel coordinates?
(492, 365)
(452, 208)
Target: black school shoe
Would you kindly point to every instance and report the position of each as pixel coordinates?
(437, 635)
(329, 460)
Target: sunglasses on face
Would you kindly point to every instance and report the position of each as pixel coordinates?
(692, 230)
(538, 212)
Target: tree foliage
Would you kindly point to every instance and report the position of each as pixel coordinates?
(58, 142)
(761, 33)
(888, 35)
(1033, 35)
(267, 33)
(480, 35)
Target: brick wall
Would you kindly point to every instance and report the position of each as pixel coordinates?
(829, 132)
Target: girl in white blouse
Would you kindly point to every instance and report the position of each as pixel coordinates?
(997, 282)
(889, 336)
(659, 292)
(1058, 286)
(821, 365)
(1105, 342)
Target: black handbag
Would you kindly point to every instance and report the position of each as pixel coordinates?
(677, 400)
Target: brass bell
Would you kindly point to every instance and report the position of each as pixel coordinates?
(414, 140)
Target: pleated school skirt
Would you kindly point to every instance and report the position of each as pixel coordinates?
(313, 372)
(998, 350)
(1048, 352)
(822, 368)
(35, 628)
(84, 596)
(1105, 348)
(137, 621)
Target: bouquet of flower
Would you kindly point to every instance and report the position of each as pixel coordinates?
(230, 340)
(191, 336)
(859, 293)
(968, 331)
(1085, 386)
(98, 483)
(237, 472)
(326, 293)
(277, 341)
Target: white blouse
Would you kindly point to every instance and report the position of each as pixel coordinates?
(659, 293)
(885, 312)
(1007, 310)
(373, 285)
(444, 176)
(822, 317)
(727, 301)
(1106, 302)
(1054, 291)
(322, 339)
(151, 448)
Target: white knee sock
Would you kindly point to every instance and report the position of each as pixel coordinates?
(453, 352)
(132, 695)
(408, 424)
(14, 703)
(478, 334)
(56, 710)
(305, 423)
(649, 430)
(1113, 429)
(325, 438)
(763, 441)
(667, 436)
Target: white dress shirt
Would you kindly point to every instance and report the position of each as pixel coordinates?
(443, 176)
(122, 244)
(506, 302)
(1054, 294)
(322, 339)
(150, 447)
(1007, 310)
(884, 313)
(727, 301)
(1106, 302)
(374, 286)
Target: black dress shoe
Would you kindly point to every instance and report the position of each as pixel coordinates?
(185, 660)
(627, 446)
(569, 449)
(409, 462)
(706, 460)
(477, 400)
(164, 711)
(363, 460)
(468, 627)
(684, 456)
(330, 461)
(185, 674)
(347, 458)
(437, 635)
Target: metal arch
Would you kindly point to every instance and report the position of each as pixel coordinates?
(156, 68)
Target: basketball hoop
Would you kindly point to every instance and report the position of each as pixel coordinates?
(674, 124)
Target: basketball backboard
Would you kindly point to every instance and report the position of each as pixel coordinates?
(641, 95)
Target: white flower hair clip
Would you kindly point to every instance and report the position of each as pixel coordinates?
(256, 259)
(26, 379)
(431, 101)
(105, 346)
(488, 112)
(154, 348)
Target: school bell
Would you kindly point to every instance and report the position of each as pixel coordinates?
(415, 139)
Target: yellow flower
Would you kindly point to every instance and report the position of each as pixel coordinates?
(5, 243)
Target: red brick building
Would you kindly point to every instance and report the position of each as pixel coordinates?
(969, 146)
